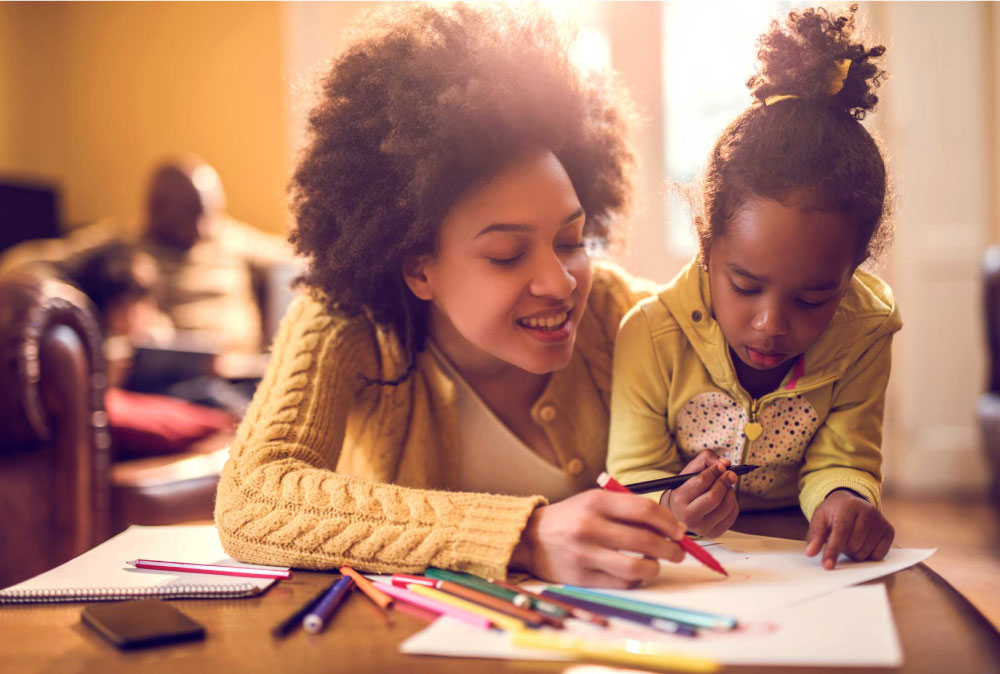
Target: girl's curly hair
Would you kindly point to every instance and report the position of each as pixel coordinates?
(427, 102)
(812, 144)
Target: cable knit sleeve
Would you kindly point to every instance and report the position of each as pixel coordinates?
(280, 500)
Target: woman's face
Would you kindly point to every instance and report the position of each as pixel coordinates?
(509, 281)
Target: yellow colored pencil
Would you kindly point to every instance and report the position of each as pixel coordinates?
(380, 598)
(621, 651)
(502, 621)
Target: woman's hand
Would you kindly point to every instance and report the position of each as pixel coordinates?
(847, 523)
(706, 503)
(579, 540)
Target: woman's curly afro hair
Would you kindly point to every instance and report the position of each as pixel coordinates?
(427, 102)
(812, 145)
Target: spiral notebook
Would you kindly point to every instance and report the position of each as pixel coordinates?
(102, 574)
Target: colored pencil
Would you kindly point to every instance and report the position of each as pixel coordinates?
(381, 599)
(682, 615)
(404, 579)
(689, 546)
(555, 609)
(320, 616)
(434, 606)
(216, 569)
(475, 582)
(659, 624)
(511, 597)
(529, 617)
(643, 654)
(665, 483)
(289, 623)
(501, 620)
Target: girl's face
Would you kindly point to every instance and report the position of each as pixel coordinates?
(509, 281)
(776, 276)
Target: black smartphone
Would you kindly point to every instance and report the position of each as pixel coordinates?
(141, 623)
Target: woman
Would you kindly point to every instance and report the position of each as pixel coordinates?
(440, 397)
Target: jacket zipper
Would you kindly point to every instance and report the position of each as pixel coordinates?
(756, 404)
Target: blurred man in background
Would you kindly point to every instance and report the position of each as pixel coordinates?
(212, 267)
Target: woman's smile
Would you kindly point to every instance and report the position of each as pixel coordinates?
(549, 327)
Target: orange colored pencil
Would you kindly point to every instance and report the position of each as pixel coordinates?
(532, 618)
(380, 598)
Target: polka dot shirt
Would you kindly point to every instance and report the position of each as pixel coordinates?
(715, 421)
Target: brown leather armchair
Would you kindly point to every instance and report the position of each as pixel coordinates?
(55, 447)
(988, 411)
(60, 494)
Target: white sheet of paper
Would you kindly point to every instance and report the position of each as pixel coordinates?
(792, 611)
(851, 627)
(764, 573)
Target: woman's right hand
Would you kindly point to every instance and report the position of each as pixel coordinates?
(579, 540)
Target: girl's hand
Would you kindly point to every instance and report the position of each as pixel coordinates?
(579, 540)
(707, 503)
(847, 523)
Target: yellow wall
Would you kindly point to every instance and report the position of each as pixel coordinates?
(6, 35)
(94, 94)
(993, 73)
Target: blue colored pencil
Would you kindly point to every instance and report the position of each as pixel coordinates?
(317, 619)
(682, 615)
(670, 626)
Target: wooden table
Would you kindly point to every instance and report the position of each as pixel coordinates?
(940, 631)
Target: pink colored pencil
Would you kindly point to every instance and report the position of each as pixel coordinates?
(436, 607)
(217, 569)
(605, 481)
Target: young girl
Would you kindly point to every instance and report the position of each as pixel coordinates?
(441, 394)
(772, 347)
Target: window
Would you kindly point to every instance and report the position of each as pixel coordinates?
(709, 53)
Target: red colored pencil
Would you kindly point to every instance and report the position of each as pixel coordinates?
(689, 546)
(217, 569)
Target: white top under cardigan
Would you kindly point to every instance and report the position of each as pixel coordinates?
(493, 459)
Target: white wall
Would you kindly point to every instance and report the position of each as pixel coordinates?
(936, 123)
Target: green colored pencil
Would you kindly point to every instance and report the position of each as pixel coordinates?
(476, 583)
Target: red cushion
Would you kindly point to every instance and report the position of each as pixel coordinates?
(144, 424)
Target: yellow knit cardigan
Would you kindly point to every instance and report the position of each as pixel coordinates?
(326, 471)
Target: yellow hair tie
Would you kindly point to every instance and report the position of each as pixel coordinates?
(838, 73)
(771, 100)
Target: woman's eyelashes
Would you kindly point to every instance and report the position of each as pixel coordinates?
(505, 261)
(509, 260)
(804, 303)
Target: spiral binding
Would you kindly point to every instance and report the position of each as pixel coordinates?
(118, 593)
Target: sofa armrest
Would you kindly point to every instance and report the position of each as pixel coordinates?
(55, 451)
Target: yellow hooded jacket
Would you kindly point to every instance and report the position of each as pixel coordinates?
(675, 393)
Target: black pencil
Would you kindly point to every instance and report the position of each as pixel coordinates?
(289, 623)
(664, 483)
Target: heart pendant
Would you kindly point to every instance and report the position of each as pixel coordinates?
(753, 431)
